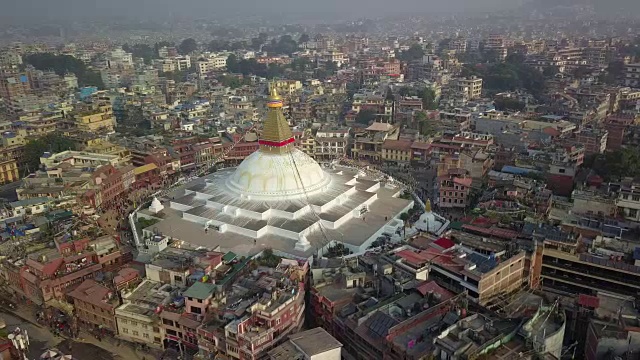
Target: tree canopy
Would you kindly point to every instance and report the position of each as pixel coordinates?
(187, 46)
(285, 45)
(615, 165)
(303, 39)
(54, 143)
(63, 64)
(429, 99)
(144, 51)
(415, 52)
(503, 104)
(508, 76)
(365, 116)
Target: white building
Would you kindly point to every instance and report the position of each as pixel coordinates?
(137, 317)
(119, 58)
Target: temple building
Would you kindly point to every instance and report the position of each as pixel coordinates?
(279, 198)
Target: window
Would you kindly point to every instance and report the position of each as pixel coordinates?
(145, 327)
(156, 329)
(133, 323)
(171, 332)
(124, 321)
(156, 339)
(135, 333)
(125, 330)
(167, 322)
(145, 335)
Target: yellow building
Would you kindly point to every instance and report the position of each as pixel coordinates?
(94, 116)
(307, 143)
(398, 151)
(287, 87)
(8, 171)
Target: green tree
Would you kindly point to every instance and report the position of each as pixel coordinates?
(415, 52)
(144, 51)
(233, 66)
(303, 39)
(285, 45)
(62, 64)
(52, 143)
(550, 71)
(429, 99)
(187, 46)
(389, 95)
(503, 104)
(218, 45)
(365, 116)
(425, 126)
(331, 67)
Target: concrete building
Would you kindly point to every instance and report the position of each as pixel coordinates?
(564, 264)
(472, 87)
(314, 344)
(9, 171)
(460, 268)
(95, 305)
(94, 116)
(138, 317)
(632, 75)
(628, 202)
(329, 144)
(397, 151)
(78, 159)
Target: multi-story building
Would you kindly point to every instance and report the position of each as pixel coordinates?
(14, 85)
(138, 317)
(565, 264)
(472, 87)
(78, 159)
(9, 171)
(331, 144)
(250, 328)
(397, 151)
(632, 75)
(454, 189)
(594, 140)
(95, 304)
(94, 116)
(368, 144)
(628, 202)
(459, 268)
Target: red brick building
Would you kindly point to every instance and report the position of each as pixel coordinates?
(454, 189)
(95, 304)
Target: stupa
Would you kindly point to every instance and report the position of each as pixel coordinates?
(281, 198)
(430, 222)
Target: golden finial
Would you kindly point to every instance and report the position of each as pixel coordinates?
(275, 101)
(427, 206)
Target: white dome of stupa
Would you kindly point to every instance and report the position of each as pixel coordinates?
(274, 175)
(278, 170)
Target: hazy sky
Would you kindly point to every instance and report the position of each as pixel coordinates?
(219, 8)
(163, 8)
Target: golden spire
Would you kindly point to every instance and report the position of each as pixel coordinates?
(427, 206)
(276, 134)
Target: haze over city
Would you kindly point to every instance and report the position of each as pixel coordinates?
(337, 179)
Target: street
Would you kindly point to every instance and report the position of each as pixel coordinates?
(85, 347)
